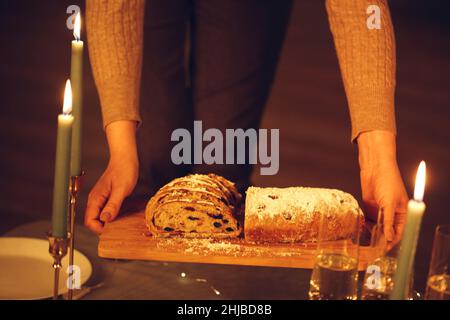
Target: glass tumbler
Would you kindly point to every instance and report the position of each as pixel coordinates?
(335, 272)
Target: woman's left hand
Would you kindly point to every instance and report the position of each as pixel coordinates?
(381, 183)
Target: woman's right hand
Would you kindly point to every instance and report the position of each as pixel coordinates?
(119, 178)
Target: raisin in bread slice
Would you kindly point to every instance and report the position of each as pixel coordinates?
(294, 214)
(195, 206)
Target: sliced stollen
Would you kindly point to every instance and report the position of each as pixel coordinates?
(195, 206)
(293, 214)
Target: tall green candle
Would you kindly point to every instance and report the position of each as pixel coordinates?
(62, 167)
(76, 76)
(407, 252)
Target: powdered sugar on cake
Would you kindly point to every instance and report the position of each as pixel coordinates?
(271, 201)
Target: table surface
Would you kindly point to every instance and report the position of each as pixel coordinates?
(162, 280)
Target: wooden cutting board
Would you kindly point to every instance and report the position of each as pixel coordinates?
(127, 238)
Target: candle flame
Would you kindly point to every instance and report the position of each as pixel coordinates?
(77, 27)
(67, 106)
(419, 188)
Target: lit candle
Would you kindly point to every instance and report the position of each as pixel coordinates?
(407, 252)
(62, 167)
(76, 76)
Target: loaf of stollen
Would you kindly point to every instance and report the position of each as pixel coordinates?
(195, 206)
(294, 214)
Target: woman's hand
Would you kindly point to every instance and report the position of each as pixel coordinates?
(119, 178)
(381, 183)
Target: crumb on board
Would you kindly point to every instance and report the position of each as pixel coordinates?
(205, 247)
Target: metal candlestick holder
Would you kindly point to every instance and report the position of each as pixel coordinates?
(74, 189)
(57, 249)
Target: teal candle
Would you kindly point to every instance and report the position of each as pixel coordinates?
(62, 167)
(407, 252)
(76, 76)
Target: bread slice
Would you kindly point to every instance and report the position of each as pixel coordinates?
(294, 214)
(195, 206)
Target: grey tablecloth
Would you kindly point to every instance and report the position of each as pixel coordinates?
(162, 280)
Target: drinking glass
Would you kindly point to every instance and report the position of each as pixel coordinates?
(335, 272)
(438, 283)
(379, 276)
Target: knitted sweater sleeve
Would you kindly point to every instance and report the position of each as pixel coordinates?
(367, 62)
(115, 41)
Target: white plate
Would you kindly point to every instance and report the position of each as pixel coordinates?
(26, 269)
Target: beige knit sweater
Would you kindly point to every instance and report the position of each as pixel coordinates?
(366, 58)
